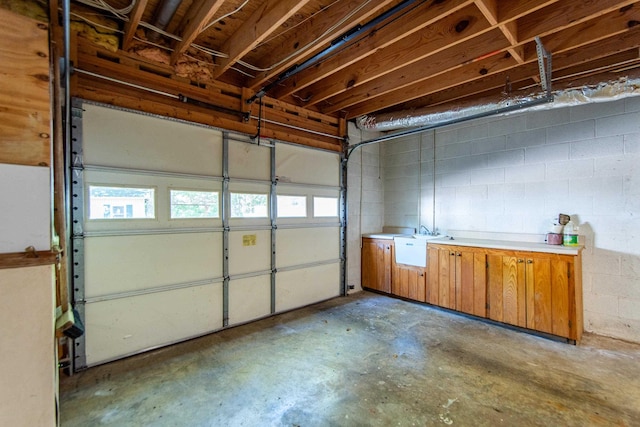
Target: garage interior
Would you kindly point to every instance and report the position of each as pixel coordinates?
(205, 207)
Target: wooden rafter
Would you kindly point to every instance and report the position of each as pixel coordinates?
(266, 19)
(468, 73)
(445, 63)
(131, 26)
(412, 22)
(316, 33)
(432, 52)
(514, 79)
(198, 16)
(489, 9)
(382, 68)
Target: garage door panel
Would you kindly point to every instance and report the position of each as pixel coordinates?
(249, 251)
(122, 139)
(129, 325)
(249, 299)
(249, 161)
(297, 288)
(115, 264)
(307, 245)
(304, 166)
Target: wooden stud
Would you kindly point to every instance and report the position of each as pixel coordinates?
(197, 17)
(266, 19)
(131, 26)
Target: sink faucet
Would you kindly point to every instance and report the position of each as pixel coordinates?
(426, 230)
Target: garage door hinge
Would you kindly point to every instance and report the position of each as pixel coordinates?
(76, 112)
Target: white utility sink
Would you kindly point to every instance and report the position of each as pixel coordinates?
(427, 236)
(411, 251)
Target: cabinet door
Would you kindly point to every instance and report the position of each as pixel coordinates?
(471, 282)
(433, 275)
(376, 264)
(447, 278)
(457, 279)
(507, 299)
(548, 292)
(409, 282)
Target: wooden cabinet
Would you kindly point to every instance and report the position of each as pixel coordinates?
(534, 290)
(377, 255)
(539, 291)
(409, 282)
(457, 278)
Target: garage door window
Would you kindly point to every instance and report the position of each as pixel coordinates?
(325, 206)
(121, 202)
(249, 205)
(292, 206)
(194, 204)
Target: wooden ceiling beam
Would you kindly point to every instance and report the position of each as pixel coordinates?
(409, 52)
(489, 9)
(498, 66)
(131, 26)
(198, 16)
(566, 64)
(565, 14)
(452, 77)
(445, 62)
(571, 37)
(264, 21)
(314, 31)
(412, 22)
(587, 32)
(514, 9)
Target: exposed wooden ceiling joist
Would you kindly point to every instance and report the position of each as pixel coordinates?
(433, 52)
(198, 16)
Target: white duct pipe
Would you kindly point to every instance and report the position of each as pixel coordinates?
(415, 118)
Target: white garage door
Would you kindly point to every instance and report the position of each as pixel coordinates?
(181, 230)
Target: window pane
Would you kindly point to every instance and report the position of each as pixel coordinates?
(325, 206)
(245, 205)
(121, 202)
(194, 204)
(292, 206)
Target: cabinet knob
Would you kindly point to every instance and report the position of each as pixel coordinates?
(452, 253)
(520, 261)
(529, 261)
(459, 254)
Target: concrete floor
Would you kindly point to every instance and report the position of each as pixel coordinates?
(364, 360)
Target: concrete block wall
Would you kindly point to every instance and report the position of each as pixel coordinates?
(516, 173)
(365, 203)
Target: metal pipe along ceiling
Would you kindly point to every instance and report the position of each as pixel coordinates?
(163, 16)
(335, 45)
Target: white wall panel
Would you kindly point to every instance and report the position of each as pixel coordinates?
(302, 165)
(128, 140)
(249, 161)
(249, 299)
(299, 246)
(297, 288)
(25, 189)
(247, 257)
(116, 264)
(125, 326)
(27, 302)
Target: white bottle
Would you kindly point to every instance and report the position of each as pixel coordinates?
(570, 237)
